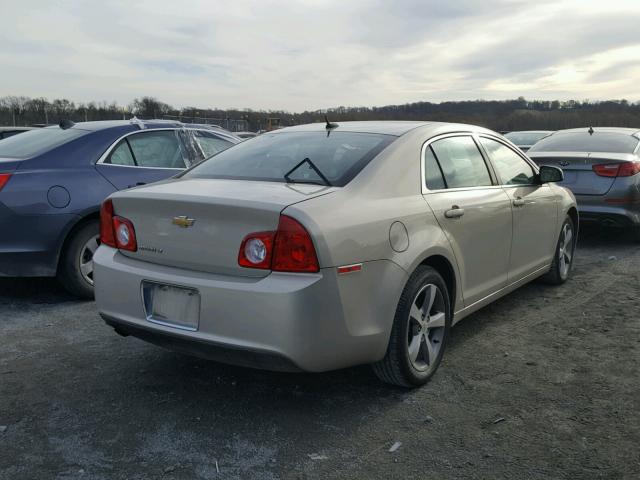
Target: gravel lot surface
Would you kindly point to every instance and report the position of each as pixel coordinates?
(544, 383)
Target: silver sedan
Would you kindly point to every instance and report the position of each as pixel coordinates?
(325, 246)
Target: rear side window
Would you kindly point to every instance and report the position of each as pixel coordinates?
(461, 162)
(35, 142)
(432, 172)
(584, 142)
(339, 156)
(510, 167)
(121, 155)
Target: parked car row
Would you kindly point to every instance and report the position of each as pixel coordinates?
(321, 247)
(309, 248)
(53, 180)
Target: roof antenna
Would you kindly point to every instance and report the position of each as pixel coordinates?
(590, 130)
(329, 124)
(65, 124)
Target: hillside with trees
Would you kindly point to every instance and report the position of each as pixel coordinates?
(518, 114)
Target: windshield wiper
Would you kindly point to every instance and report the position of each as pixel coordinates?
(313, 167)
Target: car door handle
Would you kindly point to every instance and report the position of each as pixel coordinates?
(518, 202)
(137, 184)
(455, 212)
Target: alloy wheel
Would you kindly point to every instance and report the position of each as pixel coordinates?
(427, 319)
(86, 258)
(565, 250)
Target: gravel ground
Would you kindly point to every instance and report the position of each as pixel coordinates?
(542, 384)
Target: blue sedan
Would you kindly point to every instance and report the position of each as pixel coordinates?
(53, 180)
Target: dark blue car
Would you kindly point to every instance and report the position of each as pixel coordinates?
(53, 180)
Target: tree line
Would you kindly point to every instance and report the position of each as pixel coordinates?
(517, 114)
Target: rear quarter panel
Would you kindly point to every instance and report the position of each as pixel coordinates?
(353, 225)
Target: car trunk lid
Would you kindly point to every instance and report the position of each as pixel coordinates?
(579, 176)
(199, 224)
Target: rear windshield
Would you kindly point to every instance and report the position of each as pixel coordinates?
(339, 156)
(520, 138)
(583, 142)
(34, 142)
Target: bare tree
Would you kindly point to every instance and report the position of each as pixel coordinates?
(149, 107)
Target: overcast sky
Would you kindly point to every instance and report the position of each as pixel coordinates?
(310, 54)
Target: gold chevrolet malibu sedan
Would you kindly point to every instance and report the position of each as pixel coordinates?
(324, 246)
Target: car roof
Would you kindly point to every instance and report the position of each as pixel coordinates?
(100, 125)
(142, 124)
(386, 127)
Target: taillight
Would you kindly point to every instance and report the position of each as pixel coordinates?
(293, 250)
(624, 169)
(628, 169)
(289, 249)
(106, 224)
(125, 234)
(4, 178)
(116, 231)
(256, 250)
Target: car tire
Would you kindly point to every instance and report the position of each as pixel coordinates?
(75, 271)
(402, 364)
(563, 255)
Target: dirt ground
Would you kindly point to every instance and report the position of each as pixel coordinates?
(544, 383)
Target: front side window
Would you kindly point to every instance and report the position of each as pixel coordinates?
(159, 149)
(461, 162)
(511, 168)
(339, 156)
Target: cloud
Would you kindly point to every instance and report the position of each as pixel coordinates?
(309, 54)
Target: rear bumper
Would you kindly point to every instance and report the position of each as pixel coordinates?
(310, 322)
(30, 244)
(596, 209)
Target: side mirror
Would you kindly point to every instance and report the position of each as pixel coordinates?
(550, 174)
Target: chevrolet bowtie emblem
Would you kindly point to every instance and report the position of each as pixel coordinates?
(183, 221)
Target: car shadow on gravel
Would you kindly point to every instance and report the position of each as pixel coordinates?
(36, 290)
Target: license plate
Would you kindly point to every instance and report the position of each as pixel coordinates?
(171, 305)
